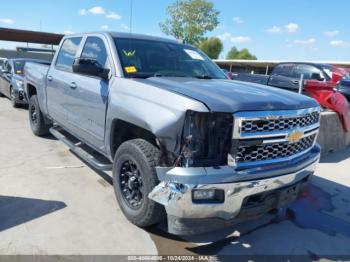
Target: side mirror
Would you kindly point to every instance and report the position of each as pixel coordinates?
(91, 67)
(4, 71)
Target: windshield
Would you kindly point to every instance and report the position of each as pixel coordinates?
(147, 58)
(328, 69)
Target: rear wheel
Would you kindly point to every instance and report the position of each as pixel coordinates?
(36, 118)
(13, 97)
(134, 177)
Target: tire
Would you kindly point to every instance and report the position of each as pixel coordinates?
(13, 98)
(145, 156)
(1, 94)
(36, 118)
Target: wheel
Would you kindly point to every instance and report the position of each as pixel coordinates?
(36, 118)
(1, 95)
(13, 98)
(134, 177)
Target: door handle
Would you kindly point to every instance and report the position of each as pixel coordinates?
(73, 85)
(50, 78)
(296, 82)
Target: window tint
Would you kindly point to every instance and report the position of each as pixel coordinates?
(283, 70)
(309, 72)
(95, 49)
(65, 58)
(148, 58)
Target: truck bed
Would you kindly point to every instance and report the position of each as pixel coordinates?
(35, 75)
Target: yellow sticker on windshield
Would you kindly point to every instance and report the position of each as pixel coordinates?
(130, 69)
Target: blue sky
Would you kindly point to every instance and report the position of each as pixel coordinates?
(271, 29)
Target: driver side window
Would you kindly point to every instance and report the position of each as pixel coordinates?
(95, 49)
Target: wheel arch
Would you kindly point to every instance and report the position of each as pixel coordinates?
(122, 131)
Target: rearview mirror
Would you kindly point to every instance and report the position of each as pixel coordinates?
(91, 67)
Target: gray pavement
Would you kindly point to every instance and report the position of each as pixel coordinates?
(53, 203)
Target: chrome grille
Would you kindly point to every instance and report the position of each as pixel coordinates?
(273, 151)
(273, 136)
(268, 125)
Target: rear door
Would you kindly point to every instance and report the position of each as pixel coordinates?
(88, 100)
(282, 77)
(59, 79)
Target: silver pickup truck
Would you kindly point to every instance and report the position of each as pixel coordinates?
(183, 142)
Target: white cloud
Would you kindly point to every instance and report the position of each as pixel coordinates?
(238, 20)
(113, 15)
(339, 43)
(274, 29)
(104, 27)
(305, 42)
(331, 33)
(82, 11)
(240, 39)
(224, 36)
(97, 10)
(291, 27)
(7, 21)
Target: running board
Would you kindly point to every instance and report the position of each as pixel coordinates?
(89, 158)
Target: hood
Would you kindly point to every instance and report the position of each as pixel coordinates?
(232, 96)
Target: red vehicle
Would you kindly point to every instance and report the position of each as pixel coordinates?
(321, 81)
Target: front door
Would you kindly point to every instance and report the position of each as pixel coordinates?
(89, 97)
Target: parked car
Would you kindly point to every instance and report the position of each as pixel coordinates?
(11, 80)
(321, 81)
(2, 60)
(228, 74)
(344, 87)
(182, 140)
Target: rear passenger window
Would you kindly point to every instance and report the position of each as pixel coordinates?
(95, 49)
(66, 55)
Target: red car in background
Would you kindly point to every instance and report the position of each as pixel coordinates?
(320, 82)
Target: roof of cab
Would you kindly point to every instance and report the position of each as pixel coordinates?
(128, 35)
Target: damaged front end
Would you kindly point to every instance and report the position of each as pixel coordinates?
(211, 184)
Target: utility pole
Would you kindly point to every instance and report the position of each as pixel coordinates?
(131, 13)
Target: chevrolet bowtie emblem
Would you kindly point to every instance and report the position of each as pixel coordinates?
(295, 136)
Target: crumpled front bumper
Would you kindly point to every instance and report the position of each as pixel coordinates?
(175, 190)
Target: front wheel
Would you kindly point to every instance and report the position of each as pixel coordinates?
(36, 118)
(134, 177)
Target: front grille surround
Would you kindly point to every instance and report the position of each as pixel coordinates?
(263, 137)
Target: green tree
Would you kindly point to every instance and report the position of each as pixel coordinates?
(212, 47)
(190, 20)
(244, 54)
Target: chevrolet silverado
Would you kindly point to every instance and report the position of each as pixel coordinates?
(183, 142)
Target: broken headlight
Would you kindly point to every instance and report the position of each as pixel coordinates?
(206, 139)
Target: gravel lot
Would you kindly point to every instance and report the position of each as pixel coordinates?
(53, 203)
